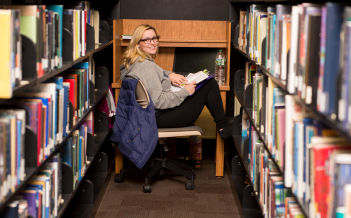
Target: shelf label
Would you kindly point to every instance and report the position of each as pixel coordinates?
(342, 109)
(299, 85)
(303, 93)
(308, 95)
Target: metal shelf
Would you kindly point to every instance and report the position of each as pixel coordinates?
(30, 172)
(65, 66)
(328, 120)
(249, 113)
(98, 139)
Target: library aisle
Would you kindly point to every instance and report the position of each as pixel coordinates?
(212, 196)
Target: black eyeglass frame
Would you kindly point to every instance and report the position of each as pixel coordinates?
(157, 38)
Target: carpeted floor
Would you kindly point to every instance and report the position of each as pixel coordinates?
(212, 196)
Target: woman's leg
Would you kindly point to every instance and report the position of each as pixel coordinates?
(187, 113)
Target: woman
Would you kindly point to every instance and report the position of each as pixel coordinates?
(173, 109)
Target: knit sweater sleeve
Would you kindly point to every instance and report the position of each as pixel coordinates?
(158, 86)
(167, 72)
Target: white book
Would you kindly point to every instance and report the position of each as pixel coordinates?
(60, 129)
(300, 183)
(127, 36)
(284, 56)
(79, 33)
(263, 34)
(96, 24)
(83, 23)
(197, 77)
(74, 35)
(289, 141)
(293, 49)
(54, 165)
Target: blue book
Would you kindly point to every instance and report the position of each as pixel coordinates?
(82, 133)
(85, 65)
(65, 111)
(30, 196)
(11, 210)
(250, 137)
(280, 194)
(80, 158)
(58, 9)
(296, 159)
(272, 43)
(46, 206)
(306, 140)
(39, 189)
(67, 152)
(18, 150)
(332, 53)
(341, 177)
(58, 119)
(247, 29)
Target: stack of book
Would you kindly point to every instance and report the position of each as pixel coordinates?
(291, 149)
(43, 193)
(42, 25)
(306, 47)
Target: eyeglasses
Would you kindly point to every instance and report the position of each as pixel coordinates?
(148, 41)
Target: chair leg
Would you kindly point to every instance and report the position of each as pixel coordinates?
(181, 165)
(175, 168)
(157, 166)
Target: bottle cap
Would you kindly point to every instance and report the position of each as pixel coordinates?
(220, 50)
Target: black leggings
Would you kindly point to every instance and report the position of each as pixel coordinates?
(187, 113)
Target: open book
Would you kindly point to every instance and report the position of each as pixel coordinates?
(197, 77)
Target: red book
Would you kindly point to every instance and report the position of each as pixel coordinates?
(72, 90)
(68, 78)
(322, 183)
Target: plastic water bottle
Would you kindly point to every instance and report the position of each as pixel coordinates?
(220, 68)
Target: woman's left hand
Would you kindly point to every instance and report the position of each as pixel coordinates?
(177, 79)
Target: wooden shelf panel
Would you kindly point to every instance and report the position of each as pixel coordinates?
(188, 44)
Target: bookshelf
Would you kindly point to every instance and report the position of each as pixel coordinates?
(310, 109)
(237, 141)
(97, 145)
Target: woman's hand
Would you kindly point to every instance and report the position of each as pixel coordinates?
(177, 79)
(190, 87)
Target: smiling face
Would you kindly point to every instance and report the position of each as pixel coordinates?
(150, 48)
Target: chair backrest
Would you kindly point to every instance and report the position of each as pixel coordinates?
(141, 95)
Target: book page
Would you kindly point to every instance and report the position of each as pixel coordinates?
(197, 77)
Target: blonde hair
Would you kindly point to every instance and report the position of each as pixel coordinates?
(133, 51)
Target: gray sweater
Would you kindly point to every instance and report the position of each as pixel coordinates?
(156, 82)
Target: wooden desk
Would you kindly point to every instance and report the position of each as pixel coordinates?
(175, 33)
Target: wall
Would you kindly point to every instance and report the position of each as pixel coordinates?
(174, 10)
